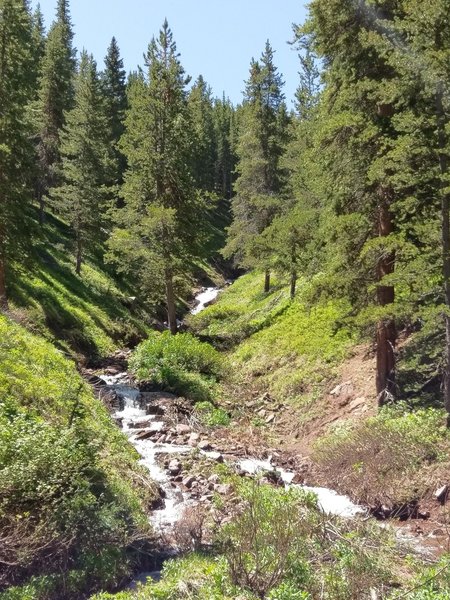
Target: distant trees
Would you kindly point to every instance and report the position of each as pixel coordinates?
(262, 136)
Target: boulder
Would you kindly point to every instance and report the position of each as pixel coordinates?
(188, 481)
(174, 466)
(442, 494)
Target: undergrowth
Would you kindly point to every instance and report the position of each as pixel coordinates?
(391, 458)
(71, 493)
(180, 364)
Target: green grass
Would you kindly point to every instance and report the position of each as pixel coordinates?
(290, 348)
(71, 494)
(88, 314)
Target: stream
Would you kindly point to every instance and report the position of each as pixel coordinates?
(147, 432)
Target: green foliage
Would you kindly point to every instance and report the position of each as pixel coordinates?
(69, 505)
(385, 459)
(211, 416)
(180, 363)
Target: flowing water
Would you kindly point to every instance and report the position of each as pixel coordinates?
(204, 298)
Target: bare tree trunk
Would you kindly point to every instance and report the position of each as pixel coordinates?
(386, 329)
(3, 296)
(79, 255)
(267, 281)
(445, 214)
(293, 283)
(170, 299)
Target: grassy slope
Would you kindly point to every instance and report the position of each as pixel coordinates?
(88, 315)
(298, 351)
(68, 477)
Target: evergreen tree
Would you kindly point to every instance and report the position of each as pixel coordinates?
(225, 164)
(160, 227)
(16, 88)
(204, 148)
(262, 137)
(38, 45)
(84, 161)
(115, 95)
(56, 96)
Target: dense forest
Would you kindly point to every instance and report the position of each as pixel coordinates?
(321, 234)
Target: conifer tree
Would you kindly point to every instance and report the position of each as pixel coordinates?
(84, 161)
(114, 90)
(56, 96)
(38, 45)
(224, 127)
(16, 88)
(159, 228)
(260, 177)
(204, 147)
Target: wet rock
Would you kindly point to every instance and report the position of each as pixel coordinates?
(118, 421)
(146, 434)
(182, 429)
(442, 494)
(154, 409)
(140, 424)
(174, 466)
(204, 445)
(189, 481)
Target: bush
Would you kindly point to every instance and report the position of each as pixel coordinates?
(69, 507)
(211, 416)
(179, 363)
(382, 459)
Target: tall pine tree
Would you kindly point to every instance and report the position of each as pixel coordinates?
(16, 88)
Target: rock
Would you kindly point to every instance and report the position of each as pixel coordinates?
(183, 429)
(193, 439)
(343, 388)
(214, 478)
(204, 445)
(270, 419)
(224, 489)
(262, 413)
(154, 409)
(188, 481)
(145, 434)
(442, 494)
(140, 424)
(118, 421)
(356, 403)
(215, 456)
(174, 466)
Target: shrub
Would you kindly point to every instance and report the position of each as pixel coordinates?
(179, 363)
(381, 459)
(211, 416)
(266, 539)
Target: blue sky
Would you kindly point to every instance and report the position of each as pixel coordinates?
(216, 38)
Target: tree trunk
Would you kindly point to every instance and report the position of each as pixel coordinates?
(386, 329)
(170, 299)
(293, 283)
(267, 281)
(79, 256)
(41, 201)
(445, 215)
(3, 296)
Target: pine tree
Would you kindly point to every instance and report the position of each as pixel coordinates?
(204, 150)
(260, 177)
(16, 88)
(84, 161)
(56, 96)
(114, 90)
(38, 45)
(160, 227)
(225, 164)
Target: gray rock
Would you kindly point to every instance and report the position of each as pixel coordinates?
(224, 489)
(442, 493)
(204, 445)
(182, 429)
(174, 466)
(193, 439)
(214, 478)
(188, 481)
